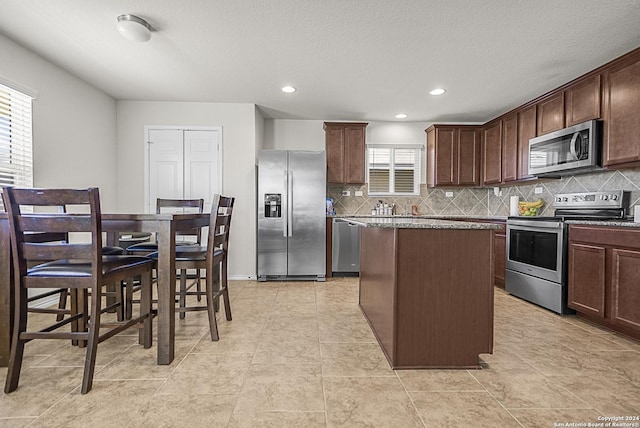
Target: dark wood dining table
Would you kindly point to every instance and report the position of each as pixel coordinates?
(163, 225)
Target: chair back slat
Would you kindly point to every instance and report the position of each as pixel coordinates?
(55, 223)
(56, 251)
(51, 197)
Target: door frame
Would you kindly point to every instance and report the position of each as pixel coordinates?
(148, 208)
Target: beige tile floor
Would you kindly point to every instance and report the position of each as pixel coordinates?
(300, 354)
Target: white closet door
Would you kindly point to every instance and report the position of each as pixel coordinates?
(202, 178)
(166, 165)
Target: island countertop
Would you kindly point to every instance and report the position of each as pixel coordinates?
(417, 223)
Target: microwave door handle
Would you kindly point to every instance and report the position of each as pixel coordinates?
(572, 147)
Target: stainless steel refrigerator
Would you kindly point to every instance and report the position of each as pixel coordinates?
(291, 214)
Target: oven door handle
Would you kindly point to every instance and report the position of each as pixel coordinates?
(533, 224)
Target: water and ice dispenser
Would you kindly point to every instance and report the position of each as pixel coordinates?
(273, 205)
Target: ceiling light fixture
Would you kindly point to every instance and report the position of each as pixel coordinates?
(134, 28)
(288, 89)
(401, 116)
(438, 91)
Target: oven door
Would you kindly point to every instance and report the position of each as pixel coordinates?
(536, 248)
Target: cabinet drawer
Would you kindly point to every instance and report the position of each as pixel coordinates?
(614, 236)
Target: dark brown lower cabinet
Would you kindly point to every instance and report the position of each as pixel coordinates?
(604, 276)
(428, 294)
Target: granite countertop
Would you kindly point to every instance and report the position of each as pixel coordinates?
(432, 217)
(608, 223)
(417, 223)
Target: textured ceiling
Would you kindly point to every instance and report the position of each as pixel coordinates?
(349, 59)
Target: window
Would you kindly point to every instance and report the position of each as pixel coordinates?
(16, 156)
(393, 170)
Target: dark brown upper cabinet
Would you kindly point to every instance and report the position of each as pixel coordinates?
(622, 112)
(510, 147)
(345, 147)
(551, 113)
(583, 100)
(453, 155)
(492, 153)
(527, 120)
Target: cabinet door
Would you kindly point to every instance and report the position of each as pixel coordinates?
(354, 155)
(445, 156)
(587, 279)
(492, 154)
(468, 162)
(625, 284)
(334, 145)
(510, 148)
(526, 131)
(583, 100)
(551, 114)
(622, 104)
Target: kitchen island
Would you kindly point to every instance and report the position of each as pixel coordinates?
(426, 289)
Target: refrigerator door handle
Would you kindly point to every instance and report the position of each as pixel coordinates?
(286, 204)
(290, 204)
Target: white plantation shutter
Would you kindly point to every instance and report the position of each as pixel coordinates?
(379, 170)
(393, 170)
(16, 156)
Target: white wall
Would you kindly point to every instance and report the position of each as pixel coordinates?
(285, 134)
(74, 124)
(238, 122)
(281, 134)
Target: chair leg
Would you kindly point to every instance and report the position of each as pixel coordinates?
(225, 291)
(211, 311)
(80, 305)
(199, 286)
(127, 289)
(17, 344)
(183, 291)
(92, 345)
(145, 337)
(120, 298)
(62, 303)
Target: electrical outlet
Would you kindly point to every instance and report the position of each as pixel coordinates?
(358, 193)
(346, 193)
(537, 190)
(448, 194)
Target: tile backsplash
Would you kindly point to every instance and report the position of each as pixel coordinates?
(484, 201)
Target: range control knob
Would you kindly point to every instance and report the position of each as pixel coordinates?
(558, 199)
(614, 197)
(604, 197)
(565, 199)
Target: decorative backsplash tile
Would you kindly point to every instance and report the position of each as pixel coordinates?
(484, 201)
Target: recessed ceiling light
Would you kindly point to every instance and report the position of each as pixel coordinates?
(438, 91)
(401, 116)
(288, 89)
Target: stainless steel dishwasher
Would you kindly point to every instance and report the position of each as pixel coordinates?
(345, 251)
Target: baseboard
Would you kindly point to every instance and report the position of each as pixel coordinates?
(242, 277)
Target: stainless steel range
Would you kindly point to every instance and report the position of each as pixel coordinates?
(537, 246)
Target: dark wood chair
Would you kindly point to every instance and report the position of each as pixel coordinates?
(188, 237)
(77, 264)
(212, 258)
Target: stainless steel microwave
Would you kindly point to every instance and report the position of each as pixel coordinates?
(568, 151)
